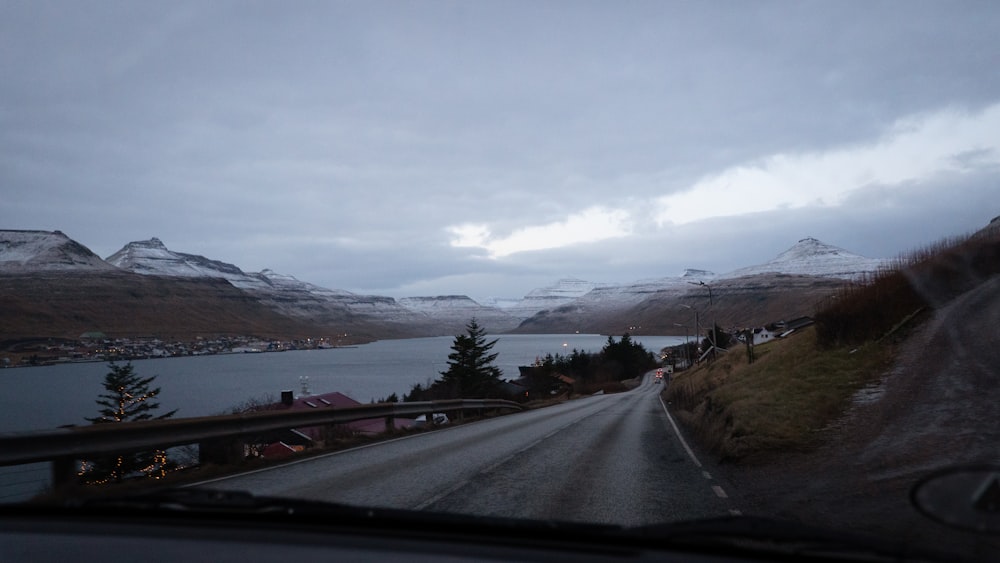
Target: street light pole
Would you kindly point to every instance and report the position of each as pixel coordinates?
(711, 302)
(687, 349)
(697, 325)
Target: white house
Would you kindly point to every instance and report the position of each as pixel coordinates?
(762, 335)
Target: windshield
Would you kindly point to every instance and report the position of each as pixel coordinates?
(696, 260)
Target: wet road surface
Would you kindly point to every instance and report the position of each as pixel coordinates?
(607, 458)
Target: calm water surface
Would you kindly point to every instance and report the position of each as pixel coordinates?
(50, 396)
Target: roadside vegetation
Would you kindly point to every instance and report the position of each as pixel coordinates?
(584, 373)
(925, 278)
(779, 402)
(472, 373)
(802, 384)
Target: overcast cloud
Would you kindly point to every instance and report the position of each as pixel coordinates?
(488, 148)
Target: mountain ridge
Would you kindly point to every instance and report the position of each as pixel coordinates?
(33, 250)
(569, 303)
(812, 257)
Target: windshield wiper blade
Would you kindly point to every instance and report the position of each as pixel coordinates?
(203, 500)
(772, 536)
(736, 534)
(206, 502)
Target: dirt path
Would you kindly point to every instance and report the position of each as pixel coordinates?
(938, 407)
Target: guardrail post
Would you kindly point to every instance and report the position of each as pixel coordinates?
(221, 451)
(390, 423)
(63, 471)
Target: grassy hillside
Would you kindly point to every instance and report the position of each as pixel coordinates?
(777, 403)
(800, 385)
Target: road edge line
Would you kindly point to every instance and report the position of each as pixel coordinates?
(677, 431)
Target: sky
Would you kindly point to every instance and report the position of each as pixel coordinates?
(490, 148)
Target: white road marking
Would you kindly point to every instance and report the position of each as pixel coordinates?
(677, 431)
(719, 492)
(441, 495)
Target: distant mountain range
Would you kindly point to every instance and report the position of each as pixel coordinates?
(568, 305)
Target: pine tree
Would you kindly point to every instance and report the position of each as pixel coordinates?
(127, 398)
(471, 373)
(626, 358)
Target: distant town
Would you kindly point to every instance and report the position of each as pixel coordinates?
(94, 347)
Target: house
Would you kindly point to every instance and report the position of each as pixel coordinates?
(762, 335)
(331, 401)
(281, 444)
(540, 383)
(278, 450)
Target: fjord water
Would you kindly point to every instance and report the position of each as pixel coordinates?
(46, 397)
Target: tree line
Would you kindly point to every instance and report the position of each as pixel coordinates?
(471, 371)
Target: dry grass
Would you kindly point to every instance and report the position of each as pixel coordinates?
(777, 403)
(926, 277)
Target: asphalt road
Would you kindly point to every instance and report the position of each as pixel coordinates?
(608, 458)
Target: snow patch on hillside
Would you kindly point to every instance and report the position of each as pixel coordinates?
(621, 296)
(563, 292)
(51, 251)
(458, 310)
(152, 257)
(282, 292)
(812, 257)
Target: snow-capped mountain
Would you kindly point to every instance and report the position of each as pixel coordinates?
(500, 302)
(627, 295)
(151, 257)
(457, 310)
(273, 281)
(563, 292)
(282, 292)
(305, 300)
(811, 257)
(52, 251)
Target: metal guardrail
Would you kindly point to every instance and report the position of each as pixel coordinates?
(64, 445)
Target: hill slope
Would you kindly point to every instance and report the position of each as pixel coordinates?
(811, 257)
(49, 251)
(67, 304)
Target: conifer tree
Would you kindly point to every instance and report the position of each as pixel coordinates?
(471, 373)
(127, 398)
(626, 358)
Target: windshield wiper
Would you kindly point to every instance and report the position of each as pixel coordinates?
(734, 535)
(200, 502)
(775, 537)
(203, 501)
